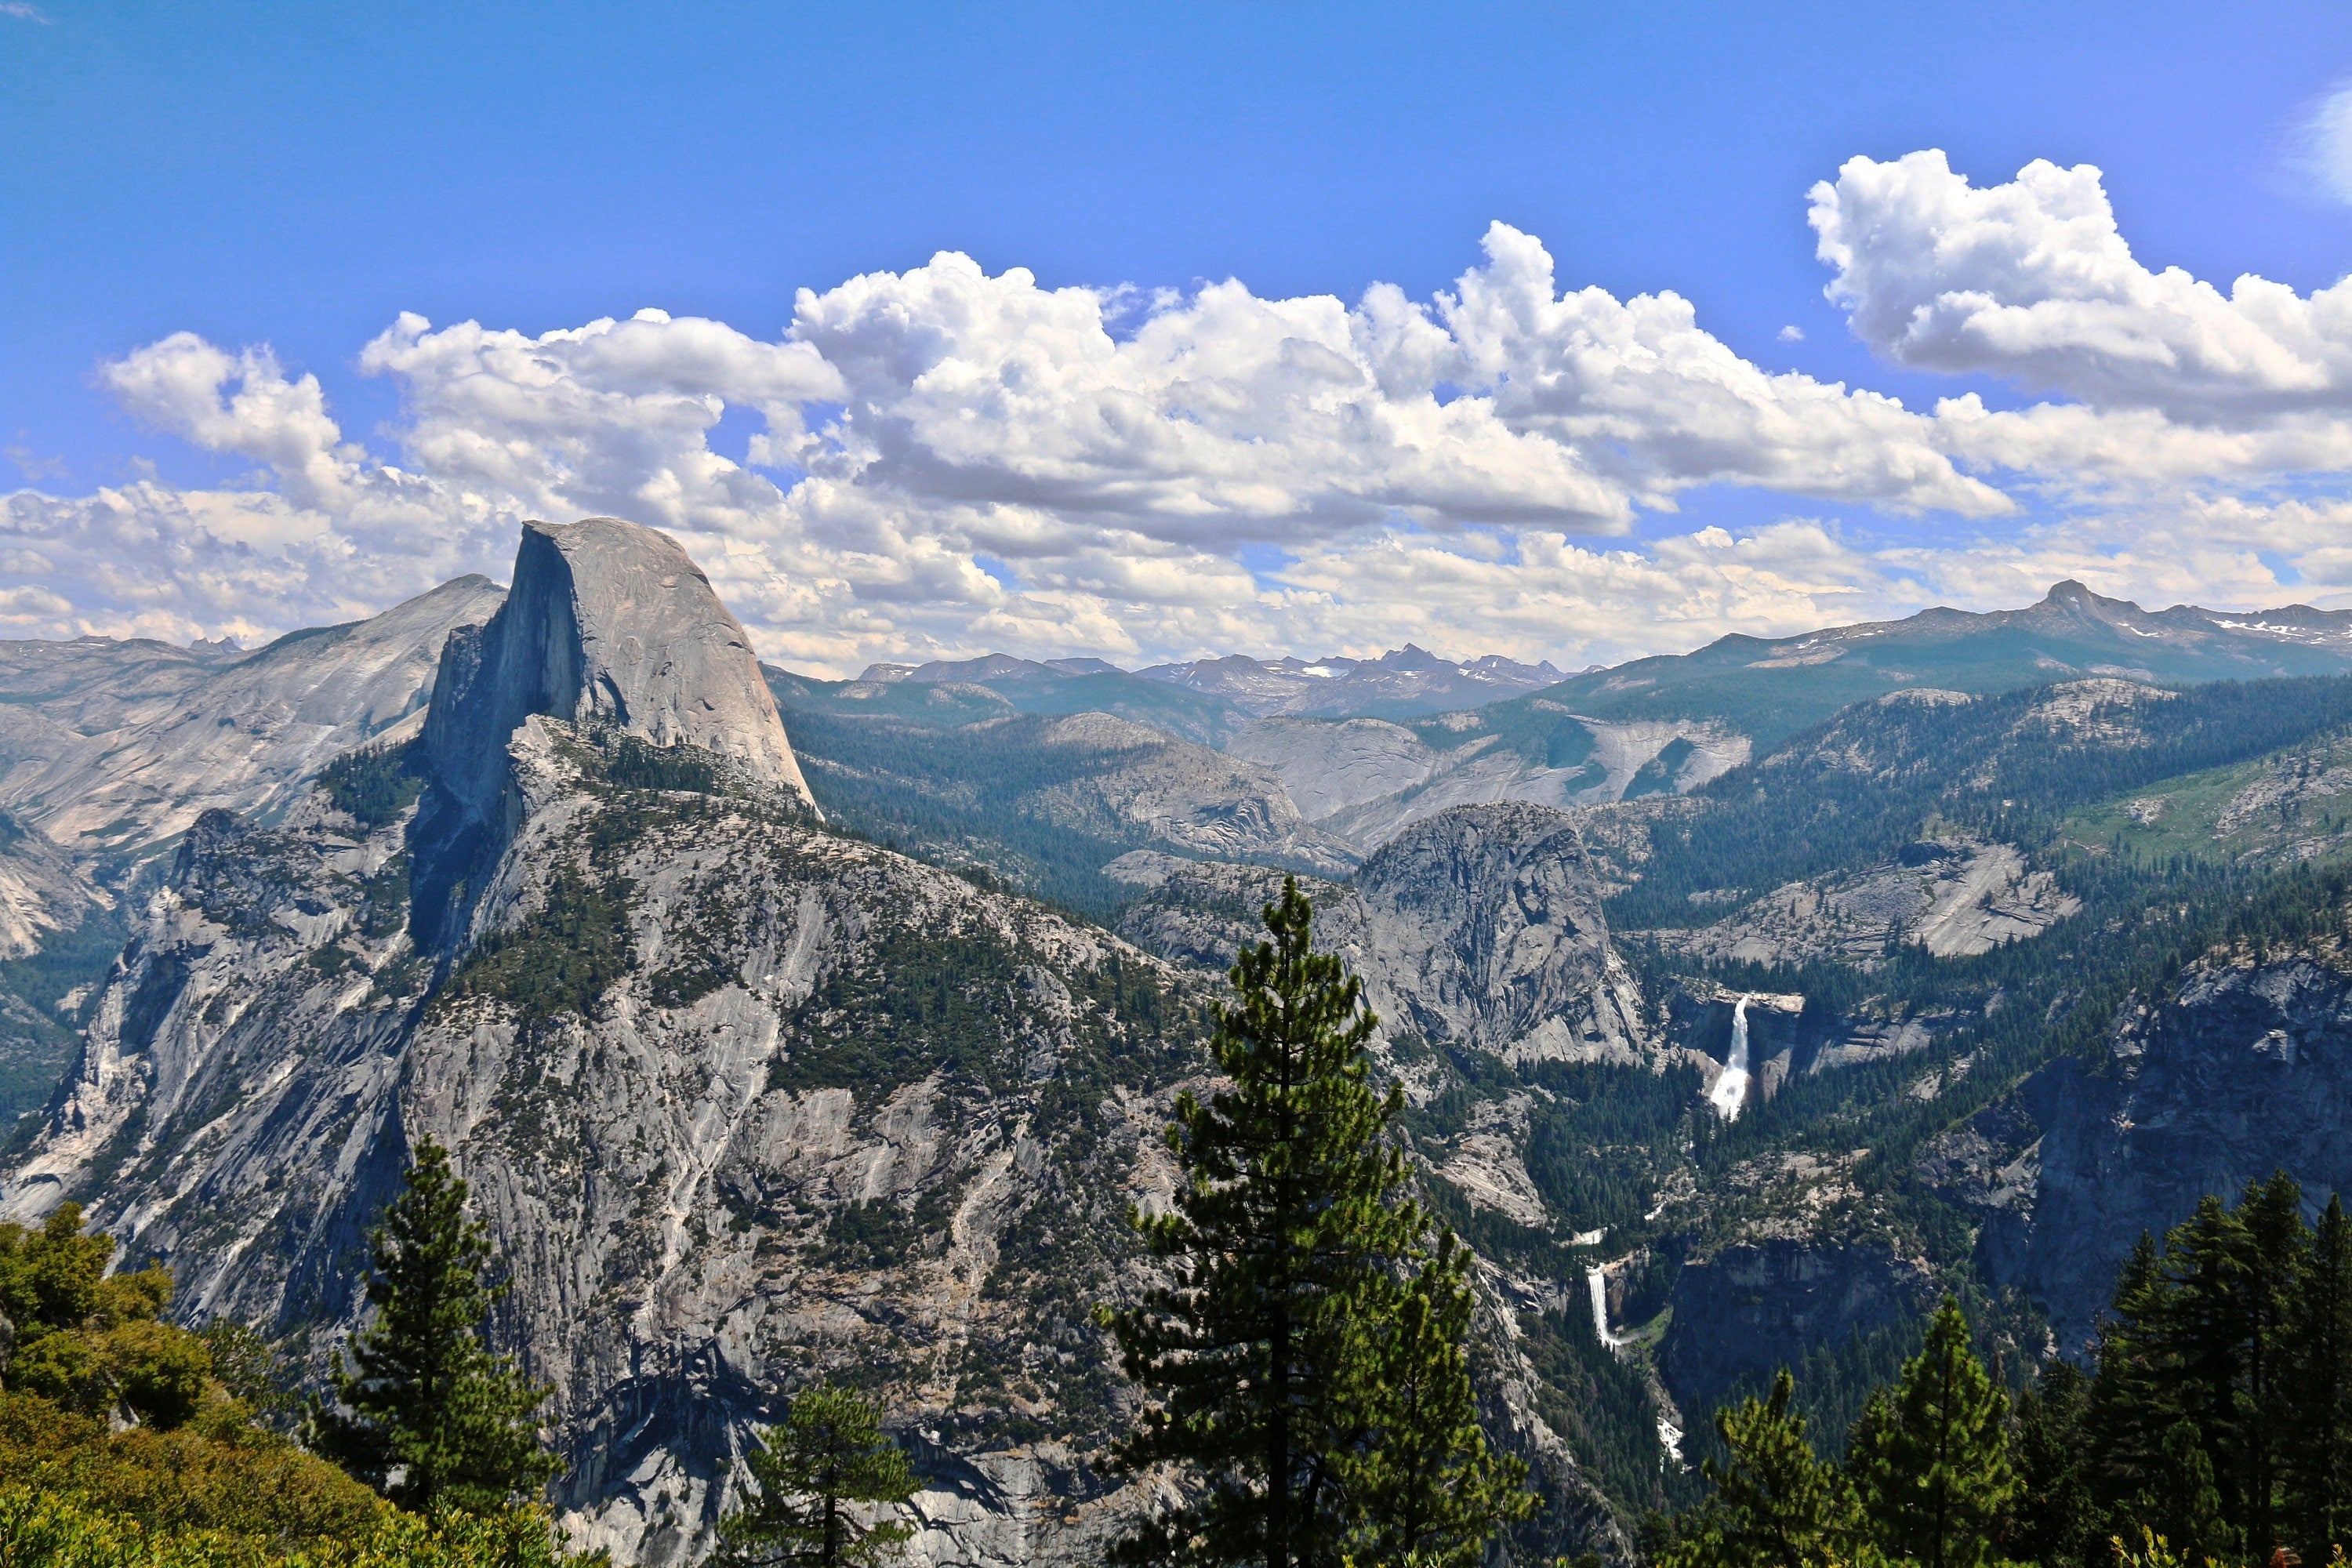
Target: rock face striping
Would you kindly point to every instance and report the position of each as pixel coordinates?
(607, 621)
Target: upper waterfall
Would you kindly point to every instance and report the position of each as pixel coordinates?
(1730, 1090)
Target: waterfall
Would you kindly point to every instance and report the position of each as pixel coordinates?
(1596, 1281)
(1730, 1090)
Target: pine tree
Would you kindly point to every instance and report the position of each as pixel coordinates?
(1931, 1459)
(1776, 1504)
(1277, 1348)
(2277, 1246)
(2056, 1519)
(1421, 1484)
(2182, 1501)
(2208, 1329)
(428, 1415)
(2317, 1454)
(820, 1471)
(2136, 1393)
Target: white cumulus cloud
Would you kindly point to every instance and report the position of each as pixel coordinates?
(2031, 280)
(948, 461)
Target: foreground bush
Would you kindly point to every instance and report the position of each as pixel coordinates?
(218, 1472)
(39, 1529)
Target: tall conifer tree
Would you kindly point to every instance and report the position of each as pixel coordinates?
(2277, 1244)
(2317, 1455)
(1307, 1362)
(2137, 1395)
(1931, 1459)
(1776, 1504)
(821, 1471)
(2207, 1326)
(1420, 1485)
(2056, 1518)
(429, 1416)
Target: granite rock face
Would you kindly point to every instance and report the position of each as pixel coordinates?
(113, 750)
(2244, 1069)
(607, 621)
(44, 899)
(1480, 927)
(1956, 896)
(1484, 925)
(1368, 780)
(42, 891)
(1748, 1310)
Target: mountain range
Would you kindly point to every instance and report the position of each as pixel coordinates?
(1743, 1002)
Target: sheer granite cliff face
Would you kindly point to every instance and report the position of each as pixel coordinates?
(608, 621)
(1748, 1310)
(2242, 1069)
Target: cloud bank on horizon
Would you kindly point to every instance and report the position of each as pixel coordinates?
(949, 462)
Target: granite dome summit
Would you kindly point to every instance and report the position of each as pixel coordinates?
(607, 621)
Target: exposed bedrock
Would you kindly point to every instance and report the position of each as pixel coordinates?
(1479, 927)
(607, 621)
(2246, 1068)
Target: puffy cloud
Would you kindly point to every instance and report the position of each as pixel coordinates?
(1227, 417)
(2034, 281)
(950, 461)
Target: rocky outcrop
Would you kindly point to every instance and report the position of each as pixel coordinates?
(607, 621)
(1485, 926)
(1480, 928)
(1956, 896)
(42, 892)
(1367, 780)
(2244, 1069)
(113, 750)
(1176, 793)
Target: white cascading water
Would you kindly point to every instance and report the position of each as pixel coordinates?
(1598, 1283)
(1730, 1090)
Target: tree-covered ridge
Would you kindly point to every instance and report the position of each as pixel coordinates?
(1856, 789)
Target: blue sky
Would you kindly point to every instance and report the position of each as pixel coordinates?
(296, 176)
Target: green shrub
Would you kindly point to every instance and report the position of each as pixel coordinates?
(43, 1529)
(87, 1343)
(217, 1473)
